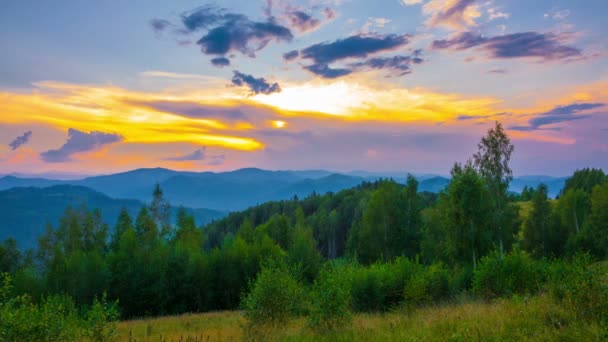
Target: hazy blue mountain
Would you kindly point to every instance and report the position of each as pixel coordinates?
(239, 189)
(25, 212)
(433, 184)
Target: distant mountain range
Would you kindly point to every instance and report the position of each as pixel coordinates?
(237, 190)
(25, 212)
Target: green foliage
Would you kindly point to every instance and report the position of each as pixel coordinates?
(542, 236)
(582, 286)
(331, 299)
(594, 236)
(379, 287)
(429, 284)
(55, 318)
(100, 320)
(273, 298)
(513, 273)
(585, 180)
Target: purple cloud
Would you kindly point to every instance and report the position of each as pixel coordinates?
(78, 142)
(196, 155)
(546, 46)
(20, 140)
(557, 115)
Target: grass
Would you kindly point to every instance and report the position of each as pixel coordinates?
(516, 319)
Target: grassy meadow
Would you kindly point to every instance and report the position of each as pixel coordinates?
(517, 319)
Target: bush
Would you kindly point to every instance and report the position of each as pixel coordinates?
(55, 318)
(429, 284)
(273, 298)
(101, 320)
(582, 287)
(513, 273)
(330, 299)
(379, 287)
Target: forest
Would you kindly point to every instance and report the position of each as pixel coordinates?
(378, 247)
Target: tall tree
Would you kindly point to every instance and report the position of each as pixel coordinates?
(470, 236)
(160, 209)
(540, 236)
(492, 161)
(123, 224)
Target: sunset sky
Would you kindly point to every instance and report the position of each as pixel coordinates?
(93, 87)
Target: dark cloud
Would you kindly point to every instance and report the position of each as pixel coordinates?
(220, 61)
(498, 71)
(357, 46)
(325, 71)
(557, 115)
(195, 110)
(302, 21)
(20, 140)
(546, 46)
(77, 142)
(226, 32)
(291, 55)
(159, 25)
(196, 155)
(256, 85)
(400, 64)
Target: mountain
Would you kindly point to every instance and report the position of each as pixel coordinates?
(239, 189)
(25, 212)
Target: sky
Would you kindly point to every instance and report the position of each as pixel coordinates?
(97, 87)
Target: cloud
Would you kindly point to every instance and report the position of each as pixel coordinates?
(356, 46)
(498, 71)
(302, 21)
(220, 61)
(410, 2)
(159, 25)
(495, 13)
(557, 14)
(455, 14)
(226, 32)
(291, 55)
(546, 46)
(325, 71)
(557, 115)
(78, 142)
(400, 64)
(196, 155)
(217, 159)
(256, 85)
(194, 109)
(20, 140)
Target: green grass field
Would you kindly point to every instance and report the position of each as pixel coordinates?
(517, 319)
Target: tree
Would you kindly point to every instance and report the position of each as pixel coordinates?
(540, 236)
(123, 224)
(146, 229)
(160, 210)
(470, 234)
(594, 236)
(492, 161)
(10, 256)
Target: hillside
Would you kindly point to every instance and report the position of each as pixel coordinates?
(25, 212)
(243, 188)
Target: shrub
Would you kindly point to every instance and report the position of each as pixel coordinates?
(513, 273)
(101, 320)
(273, 298)
(379, 287)
(429, 284)
(582, 287)
(330, 299)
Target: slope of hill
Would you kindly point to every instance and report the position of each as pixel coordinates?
(25, 212)
(239, 189)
